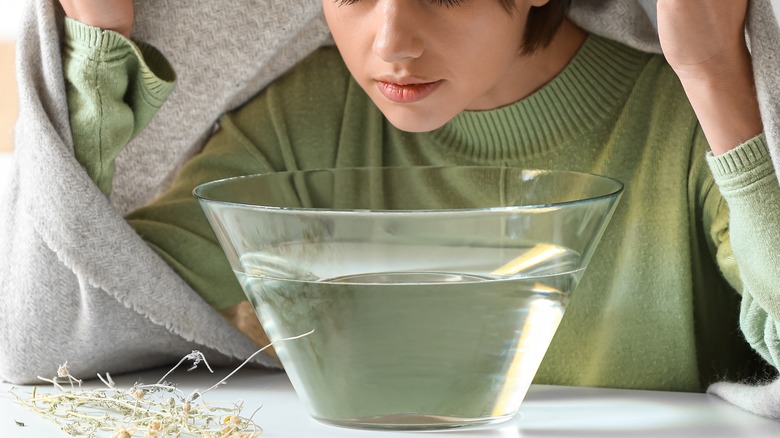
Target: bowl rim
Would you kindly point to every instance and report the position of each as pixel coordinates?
(615, 193)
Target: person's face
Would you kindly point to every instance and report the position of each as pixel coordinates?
(424, 61)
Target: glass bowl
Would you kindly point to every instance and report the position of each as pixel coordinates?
(432, 292)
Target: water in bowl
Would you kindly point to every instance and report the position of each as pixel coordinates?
(429, 338)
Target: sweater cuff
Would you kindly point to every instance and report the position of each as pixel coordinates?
(742, 166)
(89, 42)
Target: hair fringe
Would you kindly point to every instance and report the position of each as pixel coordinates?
(542, 25)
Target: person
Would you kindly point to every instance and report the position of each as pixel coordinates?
(688, 255)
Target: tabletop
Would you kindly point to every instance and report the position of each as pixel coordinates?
(548, 411)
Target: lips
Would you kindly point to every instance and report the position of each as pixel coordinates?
(406, 91)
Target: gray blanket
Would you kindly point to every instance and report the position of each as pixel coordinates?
(78, 284)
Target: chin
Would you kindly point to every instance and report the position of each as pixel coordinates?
(415, 122)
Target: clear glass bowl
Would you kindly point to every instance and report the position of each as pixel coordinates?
(433, 292)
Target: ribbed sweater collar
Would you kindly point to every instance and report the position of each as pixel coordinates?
(594, 84)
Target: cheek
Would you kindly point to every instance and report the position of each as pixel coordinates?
(483, 46)
(473, 66)
(351, 41)
(338, 21)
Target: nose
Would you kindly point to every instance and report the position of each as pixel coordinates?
(397, 36)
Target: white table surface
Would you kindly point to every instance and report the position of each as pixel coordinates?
(547, 412)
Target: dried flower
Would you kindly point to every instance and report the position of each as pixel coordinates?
(148, 408)
(63, 370)
(121, 432)
(154, 425)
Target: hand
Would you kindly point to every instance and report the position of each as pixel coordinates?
(116, 15)
(704, 43)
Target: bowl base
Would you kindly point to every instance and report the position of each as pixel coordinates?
(413, 422)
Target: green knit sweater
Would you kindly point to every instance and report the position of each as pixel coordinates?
(659, 306)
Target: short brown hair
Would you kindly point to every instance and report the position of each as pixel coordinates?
(542, 25)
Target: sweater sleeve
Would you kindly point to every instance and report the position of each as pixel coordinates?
(282, 128)
(746, 231)
(114, 88)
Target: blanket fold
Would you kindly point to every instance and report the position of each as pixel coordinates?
(79, 285)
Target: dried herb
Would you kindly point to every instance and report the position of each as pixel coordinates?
(147, 410)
